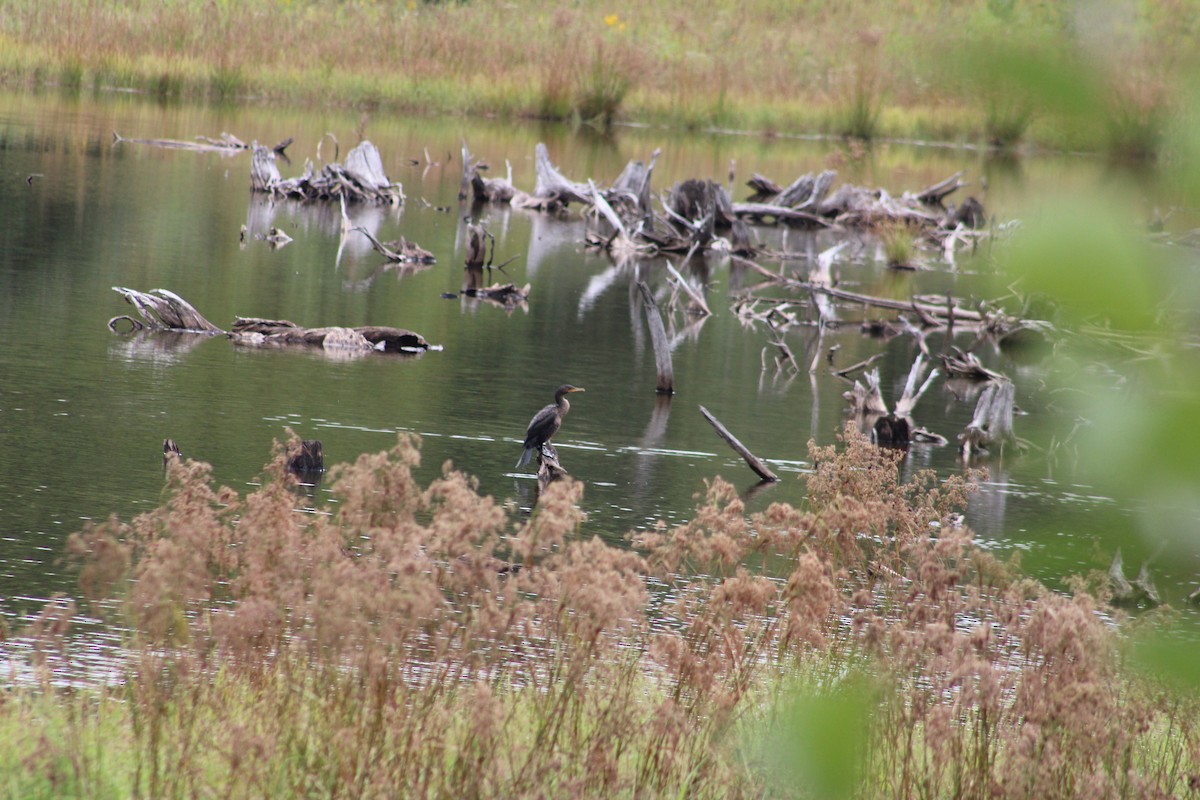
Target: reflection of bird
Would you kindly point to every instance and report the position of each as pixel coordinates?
(546, 422)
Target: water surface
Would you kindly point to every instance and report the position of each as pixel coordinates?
(84, 411)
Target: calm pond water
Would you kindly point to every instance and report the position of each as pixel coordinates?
(84, 411)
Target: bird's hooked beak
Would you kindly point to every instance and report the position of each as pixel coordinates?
(577, 389)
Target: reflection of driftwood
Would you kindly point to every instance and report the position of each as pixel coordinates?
(305, 457)
(361, 178)
(163, 310)
(760, 469)
(249, 330)
(1141, 591)
(225, 143)
(658, 337)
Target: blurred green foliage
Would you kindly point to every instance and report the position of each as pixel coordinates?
(817, 747)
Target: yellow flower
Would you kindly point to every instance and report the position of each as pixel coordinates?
(621, 27)
(610, 20)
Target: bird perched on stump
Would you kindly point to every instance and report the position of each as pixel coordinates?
(546, 423)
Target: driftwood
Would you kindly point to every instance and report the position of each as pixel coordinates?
(552, 191)
(993, 420)
(305, 457)
(400, 251)
(360, 179)
(255, 331)
(896, 427)
(480, 189)
(166, 311)
(665, 373)
(549, 468)
(162, 310)
(225, 143)
(760, 469)
(1140, 592)
(967, 366)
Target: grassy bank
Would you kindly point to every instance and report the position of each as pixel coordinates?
(385, 646)
(866, 69)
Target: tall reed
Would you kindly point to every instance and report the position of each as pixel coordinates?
(414, 641)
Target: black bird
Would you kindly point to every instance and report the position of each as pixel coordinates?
(546, 422)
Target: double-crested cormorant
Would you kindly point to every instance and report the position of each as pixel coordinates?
(546, 422)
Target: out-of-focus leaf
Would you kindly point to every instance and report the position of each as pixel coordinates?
(1050, 81)
(1176, 661)
(818, 744)
(1148, 443)
(1086, 257)
(1184, 151)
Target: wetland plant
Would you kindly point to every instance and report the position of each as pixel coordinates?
(413, 641)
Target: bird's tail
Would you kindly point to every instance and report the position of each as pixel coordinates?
(528, 454)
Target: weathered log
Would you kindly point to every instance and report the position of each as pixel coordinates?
(253, 330)
(508, 295)
(552, 190)
(756, 464)
(993, 419)
(765, 212)
(1141, 591)
(665, 373)
(762, 187)
(400, 251)
(633, 185)
(225, 143)
(910, 396)
(164, 310)
(361, 178)
(936, 194)
(867, 399)
(970, 213)
(699, 305)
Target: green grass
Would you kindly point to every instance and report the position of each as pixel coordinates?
(863, 69)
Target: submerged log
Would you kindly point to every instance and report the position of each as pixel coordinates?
(251, 330)
(756, 464)
(226, 142)
(959, 364)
